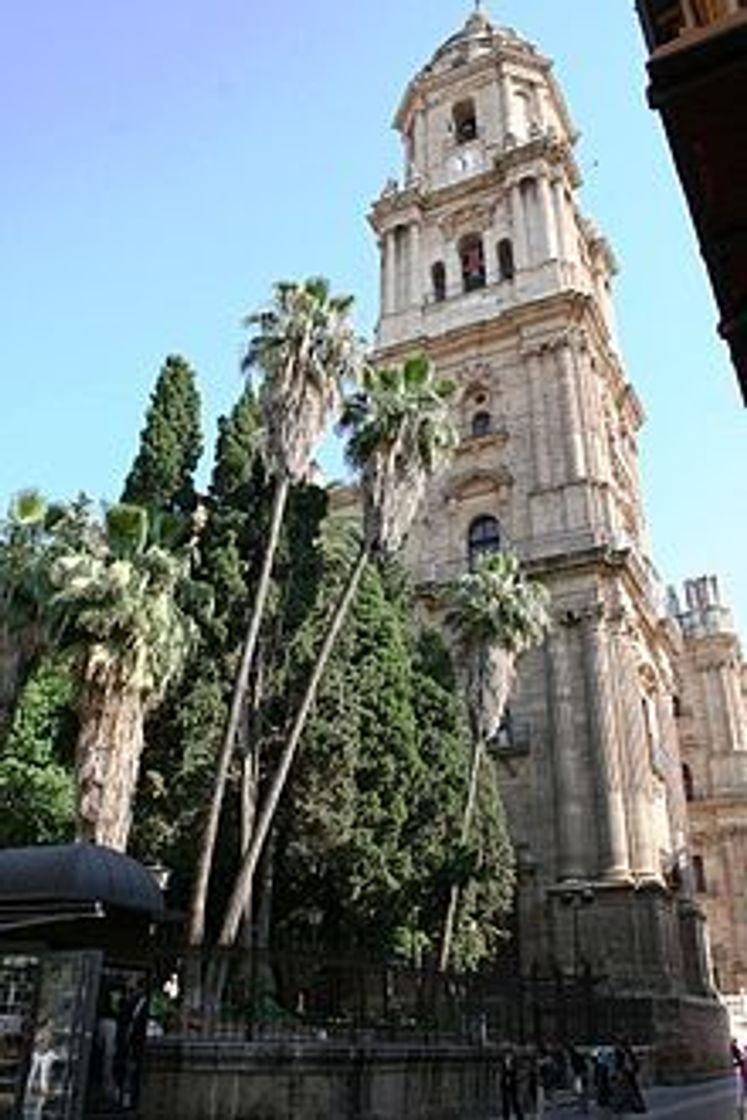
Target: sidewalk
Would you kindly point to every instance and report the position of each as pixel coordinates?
(708, 1100)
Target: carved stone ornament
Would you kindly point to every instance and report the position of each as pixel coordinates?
(468, 219)
(472, 483)
(478, 376)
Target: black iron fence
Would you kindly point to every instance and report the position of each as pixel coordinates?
(294, 994)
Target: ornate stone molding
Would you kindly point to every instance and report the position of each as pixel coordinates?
(475, 218)
(473, 482)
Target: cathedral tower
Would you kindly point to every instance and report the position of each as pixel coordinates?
(490, 267)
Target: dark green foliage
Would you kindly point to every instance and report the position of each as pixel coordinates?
(365, 843)
(36, 760)
(170, 444)
(366, 850)
(184, 737)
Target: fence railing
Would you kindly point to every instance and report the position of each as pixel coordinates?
(316, 997)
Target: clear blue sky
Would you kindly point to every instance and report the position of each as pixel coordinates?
(163, 162)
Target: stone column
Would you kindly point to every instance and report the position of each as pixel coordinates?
(547, 214)
(416, 275)
(574, 439)
(558, 201)
(714, 712)
(518, 222)
(733, 728)
(387, 241)
(591, 411)
(573, 821)
(540, 444)
(636, 767)
(614, 862)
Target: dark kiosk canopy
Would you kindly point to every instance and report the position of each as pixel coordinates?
(50, 886)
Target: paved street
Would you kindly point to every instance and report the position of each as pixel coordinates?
(712, 1100)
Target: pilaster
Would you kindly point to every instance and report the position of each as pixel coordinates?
(572, 821)
(613, 856)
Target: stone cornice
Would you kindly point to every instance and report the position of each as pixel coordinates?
(509, 166)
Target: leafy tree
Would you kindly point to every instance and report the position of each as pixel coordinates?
(184, 735)
(37, 793)
(400, 433)
(305, 350)
(496, 614)
(365, 851)
(161, 477)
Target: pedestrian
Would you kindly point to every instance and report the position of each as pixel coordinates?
(580, 1074)
(626, 1092)
(739, 1061)
(603, 1067)
(509, 1085)
(535, 1093)
(546, 1080)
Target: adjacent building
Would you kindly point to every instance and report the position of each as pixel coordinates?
(711, 711)
(698, 72)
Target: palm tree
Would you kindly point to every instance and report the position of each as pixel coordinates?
(496, 615)
(305, 350)
(400, 432)
(114, 605)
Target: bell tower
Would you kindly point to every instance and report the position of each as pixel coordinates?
(485, 237)
(489, 266)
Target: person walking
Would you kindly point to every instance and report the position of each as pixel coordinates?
(580, 1074)
(626, 1092)
(603, 1068)
(509, 1084)
(739, 1061)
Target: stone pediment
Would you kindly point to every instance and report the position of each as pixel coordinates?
(477, 483)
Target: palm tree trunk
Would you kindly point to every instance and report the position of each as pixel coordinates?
(244, 879)
(478, 748)
(493, 676)
(107, 758)
(196, 932)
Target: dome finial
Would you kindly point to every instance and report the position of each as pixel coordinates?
(478, 21)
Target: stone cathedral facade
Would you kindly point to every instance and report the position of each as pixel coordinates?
(489, 266)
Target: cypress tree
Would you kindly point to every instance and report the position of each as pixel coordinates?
(366, 852)
(161, 476)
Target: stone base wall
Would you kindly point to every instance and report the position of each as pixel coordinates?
(683, 1039)
(691, 1039)
(282, 1081)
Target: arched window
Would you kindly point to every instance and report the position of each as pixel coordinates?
(688, 782)
(506, 269)
(699, 875)
(438, 279)
(473, 262)
(484, 537)
(482, 424)
(465, 121)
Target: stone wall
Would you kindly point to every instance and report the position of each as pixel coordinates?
(252, 1081)
(680, 1040)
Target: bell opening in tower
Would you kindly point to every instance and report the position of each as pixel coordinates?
(472, 258)
(465, 121)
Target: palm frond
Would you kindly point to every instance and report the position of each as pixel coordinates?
(27, 508)
(399, 432)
